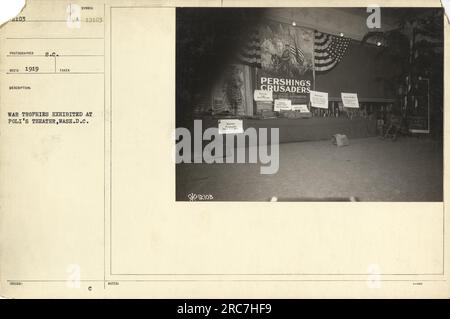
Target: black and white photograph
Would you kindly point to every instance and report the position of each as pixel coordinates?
(224, 154)
(309, 104)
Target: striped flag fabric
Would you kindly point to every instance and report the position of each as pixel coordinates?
(298, 53)
(328, 50)
(250, 49)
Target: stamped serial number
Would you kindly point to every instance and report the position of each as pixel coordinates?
(199, 197)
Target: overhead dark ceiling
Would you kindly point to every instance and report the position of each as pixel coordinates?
(389, 14)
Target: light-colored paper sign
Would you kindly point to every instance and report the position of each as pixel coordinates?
(318, 99)
(230, 126)
(282, 105)
(303, 108)
(350, 100)
(263, 96)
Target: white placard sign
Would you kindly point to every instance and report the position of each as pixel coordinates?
(230, 126)
(350, 100)
(303, 108)
(282, 105)
(262, 96)
(318, 99)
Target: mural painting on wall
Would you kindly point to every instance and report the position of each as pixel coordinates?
(283, 57)
(287, 59)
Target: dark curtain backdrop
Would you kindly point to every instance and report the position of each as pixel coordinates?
(363, 70)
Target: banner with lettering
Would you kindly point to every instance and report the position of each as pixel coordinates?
(287, 60)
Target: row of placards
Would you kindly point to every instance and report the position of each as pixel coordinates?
(286, 105)
(317, 99)
(320, 99)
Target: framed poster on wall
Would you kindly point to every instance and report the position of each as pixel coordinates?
(287, 61)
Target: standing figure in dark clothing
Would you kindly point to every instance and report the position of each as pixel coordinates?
(233, 90)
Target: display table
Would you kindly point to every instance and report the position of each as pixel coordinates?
(316, 128)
